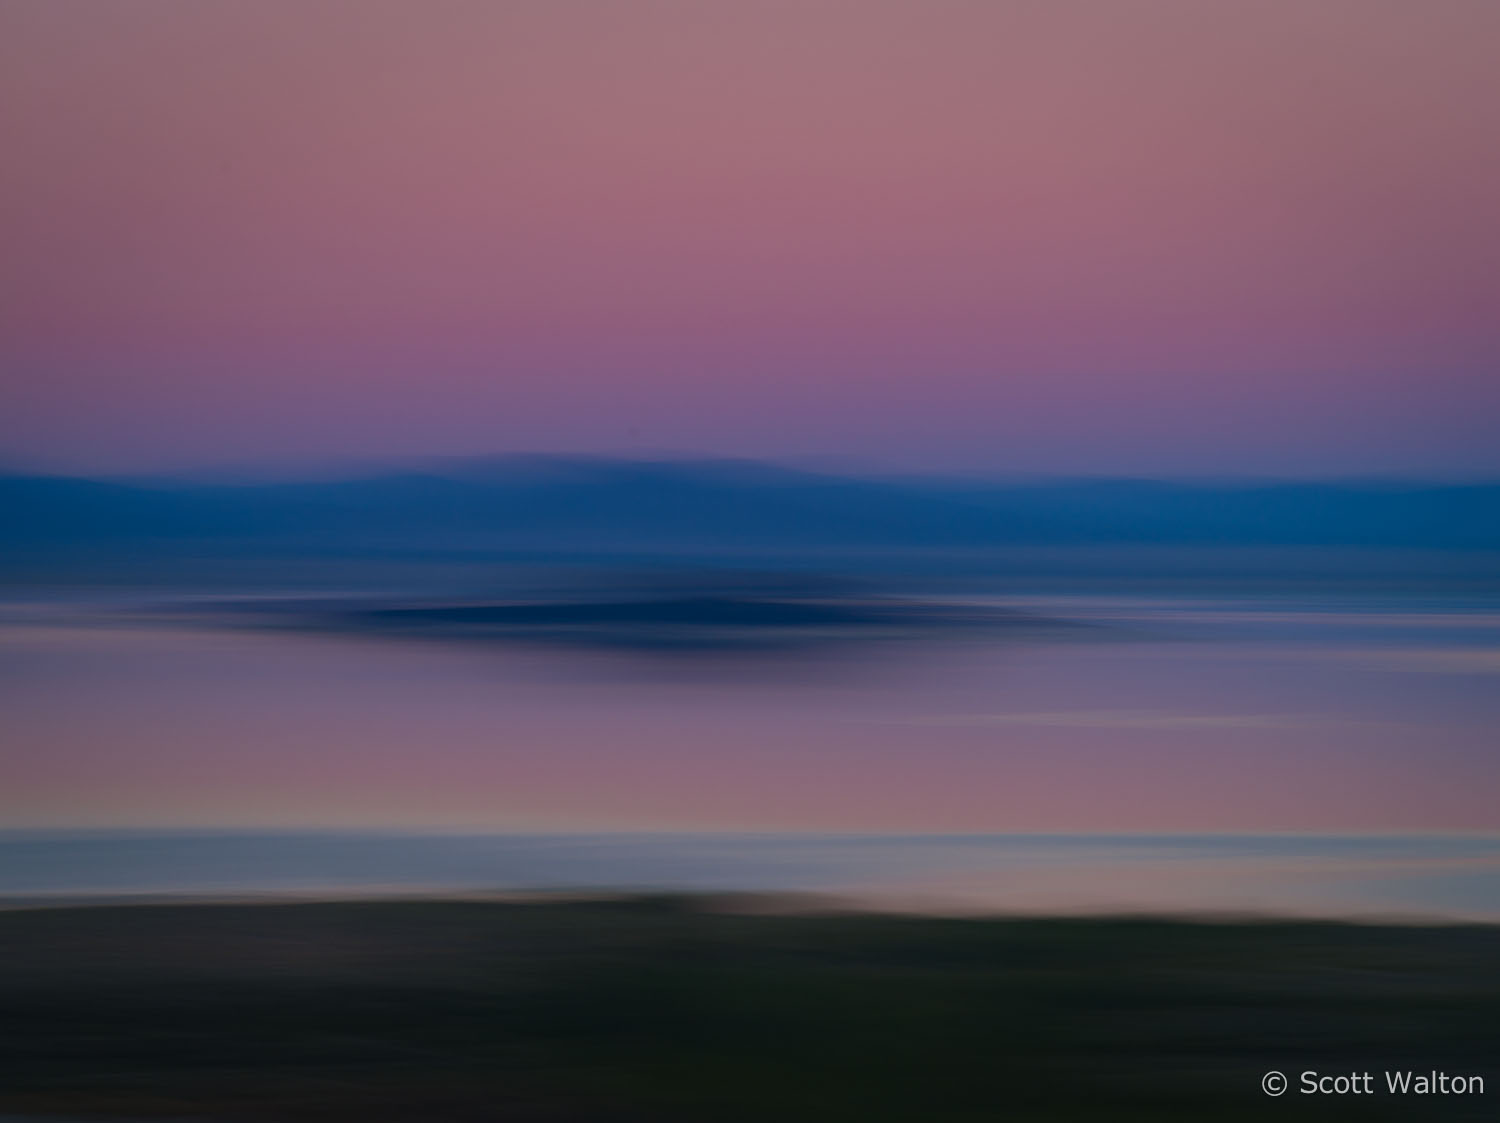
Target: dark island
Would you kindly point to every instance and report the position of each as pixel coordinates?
(697, 616)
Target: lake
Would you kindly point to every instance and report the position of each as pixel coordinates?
(1302, 753)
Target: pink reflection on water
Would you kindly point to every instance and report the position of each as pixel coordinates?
(162, 727)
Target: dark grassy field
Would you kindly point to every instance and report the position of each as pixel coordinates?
(674, 1009)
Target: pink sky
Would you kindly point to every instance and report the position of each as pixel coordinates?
(1060, 235)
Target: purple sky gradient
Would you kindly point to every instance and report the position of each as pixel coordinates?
(1145, 236)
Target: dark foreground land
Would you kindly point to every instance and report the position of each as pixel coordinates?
(643, 1010)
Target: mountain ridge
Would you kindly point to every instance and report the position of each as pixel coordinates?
(576, 502)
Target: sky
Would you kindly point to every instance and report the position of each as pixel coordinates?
(1167, 237)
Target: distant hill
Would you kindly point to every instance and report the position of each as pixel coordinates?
(581, 504)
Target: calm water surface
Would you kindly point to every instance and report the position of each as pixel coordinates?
(1287, 753)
